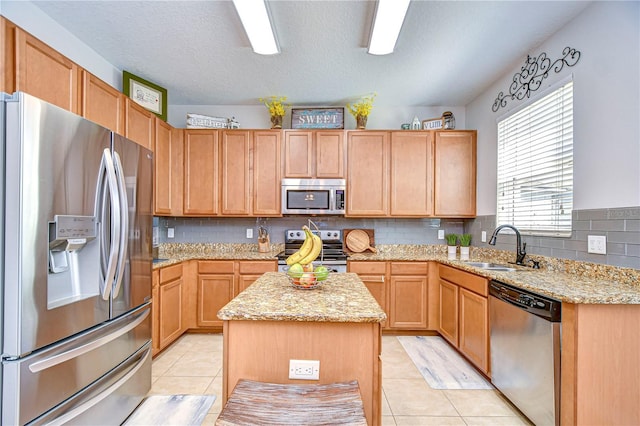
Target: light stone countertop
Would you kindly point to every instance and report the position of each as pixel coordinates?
(341, 298)
(566, 280)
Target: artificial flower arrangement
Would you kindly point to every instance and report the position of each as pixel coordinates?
(276, 105)
(363, 107)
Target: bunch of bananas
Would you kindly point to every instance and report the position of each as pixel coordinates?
(309, 250)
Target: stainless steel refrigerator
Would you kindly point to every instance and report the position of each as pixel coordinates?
(76, 268)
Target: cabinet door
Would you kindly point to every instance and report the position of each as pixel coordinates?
(449, 311)
(7, 57)
(162, 177)
(245, 281)
(474, 328)
(170, 312)
(329, 154)
(43, 72)
(200, 172)
(102, 103)
(298, 154)
(235, 181)
(411, 185)
(214, 291)
(455, 173)
(408, 302)
(267, 173)
(368, 174)
(155, 312)
(139, 124)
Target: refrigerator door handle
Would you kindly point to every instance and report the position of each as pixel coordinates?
(81, 350)
(124, 228)
(107, 169)
(95, 400)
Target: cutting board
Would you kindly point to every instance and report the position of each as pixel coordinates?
(358, 240)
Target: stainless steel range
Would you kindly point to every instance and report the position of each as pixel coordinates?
(332, 255)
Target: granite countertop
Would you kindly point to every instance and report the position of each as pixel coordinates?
(566, 280)
(342, 297)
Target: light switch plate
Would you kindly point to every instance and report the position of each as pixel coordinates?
(170, 232)
(441, 234)
(249, 232)
(597, 244)
(483, 237)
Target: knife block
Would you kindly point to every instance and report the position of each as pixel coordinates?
(264, 246)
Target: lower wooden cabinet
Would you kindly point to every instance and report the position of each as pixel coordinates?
(155, 312)
(464, 314)
(170, 305)
(408, 288)
(400, 288)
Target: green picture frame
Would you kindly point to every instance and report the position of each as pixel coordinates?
(145, 93)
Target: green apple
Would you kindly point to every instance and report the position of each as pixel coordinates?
(295, 270)
(321, 273)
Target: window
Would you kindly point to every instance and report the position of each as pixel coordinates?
(535, 165)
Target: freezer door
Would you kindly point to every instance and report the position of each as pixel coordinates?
(52, 251)
(34, 384)
(134, 168)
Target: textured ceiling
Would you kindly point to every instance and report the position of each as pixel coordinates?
(448, 51)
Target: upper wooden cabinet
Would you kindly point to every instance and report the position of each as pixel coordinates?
(267, 174)
(201, 172)
(102, 103)
(40, 70)
(411, 188)
(455, 173)
(235, 149)
(367, 173)
(314, 154)
(168, 170)
(139, 124)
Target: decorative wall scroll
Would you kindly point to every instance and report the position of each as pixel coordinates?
(533, 73)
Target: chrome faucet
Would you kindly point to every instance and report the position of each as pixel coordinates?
(520, 246)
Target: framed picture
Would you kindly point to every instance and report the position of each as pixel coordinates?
(433, 124)
(145, 93)
(317, 118)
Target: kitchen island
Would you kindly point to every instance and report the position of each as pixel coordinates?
(338, 324)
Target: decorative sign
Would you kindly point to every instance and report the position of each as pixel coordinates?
(433, 124)
(317, 118)
(533, 73)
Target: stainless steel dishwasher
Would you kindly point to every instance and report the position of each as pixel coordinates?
(525, 350)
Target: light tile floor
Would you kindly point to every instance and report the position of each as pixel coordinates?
(193, 365)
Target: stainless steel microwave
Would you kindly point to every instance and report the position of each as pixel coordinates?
(313, 196)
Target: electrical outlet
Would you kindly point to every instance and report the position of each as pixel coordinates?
(170, 232)
(249, 232)
(597, 244)
(483, 237)
(304, 369)
(441, 234)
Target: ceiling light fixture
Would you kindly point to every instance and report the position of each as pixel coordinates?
(257, 24)
(386, 26)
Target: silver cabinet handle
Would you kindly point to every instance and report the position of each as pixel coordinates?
(81, 350)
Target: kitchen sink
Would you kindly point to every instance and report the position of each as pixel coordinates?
(491, 266)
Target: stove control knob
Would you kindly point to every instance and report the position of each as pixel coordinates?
(298, 234)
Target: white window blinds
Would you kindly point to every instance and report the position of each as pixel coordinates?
(535, 166)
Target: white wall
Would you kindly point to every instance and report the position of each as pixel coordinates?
(606, 109)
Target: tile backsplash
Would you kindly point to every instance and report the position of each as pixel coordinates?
(621, 226)
(234, 230)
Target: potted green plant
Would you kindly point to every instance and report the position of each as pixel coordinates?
(465, 242)
(452, 240)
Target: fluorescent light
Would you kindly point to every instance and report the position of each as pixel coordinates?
(386, 26)
(256, 23)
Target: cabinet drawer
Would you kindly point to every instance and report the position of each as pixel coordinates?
(368, 267)
(409, 268)
(469, 281)
(170, 273)
(215, 267)
(258, 267)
